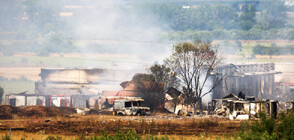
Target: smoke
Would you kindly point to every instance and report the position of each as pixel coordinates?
(207, 87)
(289, 2)
(115, 27)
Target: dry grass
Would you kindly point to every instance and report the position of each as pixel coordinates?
(18, 135)
(150, 125)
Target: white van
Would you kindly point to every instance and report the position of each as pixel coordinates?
(130, 107)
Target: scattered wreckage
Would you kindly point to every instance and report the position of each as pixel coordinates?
(290, 107)
(242, 107)
(123, 107)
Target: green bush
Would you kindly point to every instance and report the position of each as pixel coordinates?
(151, 137)
(119, 135)
(285, 127)
(53, 138)
(6, 137)
(268, 128)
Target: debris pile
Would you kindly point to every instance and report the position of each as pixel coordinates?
(242, 107)
(8, 112)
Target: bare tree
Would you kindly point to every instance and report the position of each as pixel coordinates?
(194, 64)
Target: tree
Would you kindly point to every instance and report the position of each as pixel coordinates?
(152, 93)
(153, 85)
(194, 63)
(53, 42)
(1, 94)
(217, 15)
(247, 18)
(274, 14)
(163, 76)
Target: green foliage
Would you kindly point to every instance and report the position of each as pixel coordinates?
(247, 18)
(274, 14)
(152, 91)
(246, 24)
(143, 77)
(268, 128)
(151, 137)
(119, 135)
(1, 94)
(285, 129)
(273, 50)
(194, 62)
(205, 17)
(53, 43)
(164, 76)
(43, 28)
(160, 73)
(6, 137)
(255, 33)
(263, 50)
(53, 138)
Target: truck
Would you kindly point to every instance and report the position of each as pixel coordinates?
(130, 107)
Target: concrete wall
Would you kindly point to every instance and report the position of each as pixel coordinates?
(20, 99)
(32, 100)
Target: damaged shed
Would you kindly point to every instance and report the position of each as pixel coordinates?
(256, 80)
(233, 106)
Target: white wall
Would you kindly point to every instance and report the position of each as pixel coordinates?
(20, 100)
(32, 100)
(56, 100)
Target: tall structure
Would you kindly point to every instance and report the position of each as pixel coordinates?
(80, 81)
(252, 79)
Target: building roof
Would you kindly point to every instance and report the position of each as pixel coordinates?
(232, 97)
(174, 93)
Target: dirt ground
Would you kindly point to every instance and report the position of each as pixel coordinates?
(39, 122)
(73, 125)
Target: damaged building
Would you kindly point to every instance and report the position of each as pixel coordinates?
(80, 81)
(252, 83)
(24, 99)
(256, 80)
(83, 88)
(242, 107)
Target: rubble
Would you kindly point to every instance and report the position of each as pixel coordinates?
(242, 108)
(83, 111)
